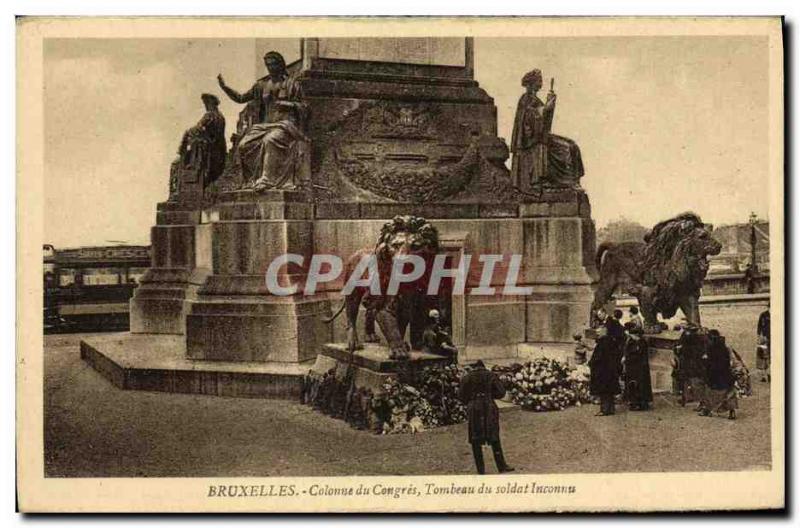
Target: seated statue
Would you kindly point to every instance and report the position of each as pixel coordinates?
(541, 159)
(271, 147)
(201, 154)
(436, 340)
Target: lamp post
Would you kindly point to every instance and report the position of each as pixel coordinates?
(753, 242)
(753, 268)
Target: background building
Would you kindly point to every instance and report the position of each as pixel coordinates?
(731, 272)
(88, 288)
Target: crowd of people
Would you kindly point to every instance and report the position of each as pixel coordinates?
(620, 364)
(703, 366)
(703, 371)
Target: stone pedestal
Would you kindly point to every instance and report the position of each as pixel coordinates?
(180, 263)
(559, 263)
(371, 367)
(234, 317)
(554, 235)
(208, 279)
(395, 128)
(661, 347)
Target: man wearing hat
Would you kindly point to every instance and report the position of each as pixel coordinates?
(604, 371)
(479, 388)
(203, 147)
(638, 387)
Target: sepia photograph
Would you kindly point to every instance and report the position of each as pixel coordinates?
(420, 265)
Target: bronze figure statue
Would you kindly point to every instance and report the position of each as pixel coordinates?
(272, 144)
(201, 154)
(541, 159)
(436, 340)
(664, 272)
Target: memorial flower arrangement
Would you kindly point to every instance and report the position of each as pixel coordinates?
(434, 402)
(432, 399)
(401, 408)
(441, 387)
(546, 385)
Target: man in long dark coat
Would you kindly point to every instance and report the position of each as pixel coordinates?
(479, 388)
(638, 387)
(763, 324)
(616, 332)
(763, 346)
(720, 389)
(604, 368)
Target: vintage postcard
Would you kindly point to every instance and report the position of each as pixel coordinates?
(400, 265)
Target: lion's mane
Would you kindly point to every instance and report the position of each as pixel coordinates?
(424, 236)
(670, 261)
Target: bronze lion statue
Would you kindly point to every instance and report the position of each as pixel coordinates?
(404, 235)
(665, 272)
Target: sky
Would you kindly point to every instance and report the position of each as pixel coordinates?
(665, 124)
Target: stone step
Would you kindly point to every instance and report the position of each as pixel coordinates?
(263, 211)
(158, 363)
(177, 218)
(147, 291)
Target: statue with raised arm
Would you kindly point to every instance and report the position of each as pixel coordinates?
(272, 145)
(541, 159)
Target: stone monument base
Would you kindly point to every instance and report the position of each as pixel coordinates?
(661, 348)
(158, 363)
(372, 367)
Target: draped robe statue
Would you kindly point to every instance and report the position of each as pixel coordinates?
(272, 145)
(540, 157)
(201, 154)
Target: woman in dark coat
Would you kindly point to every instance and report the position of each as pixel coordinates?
(615, 329)
(638, 388)
(689, 352)
(479, 388)
(720, 394)
(604, 368)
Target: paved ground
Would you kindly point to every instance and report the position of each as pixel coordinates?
(94, 429)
